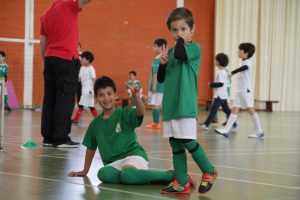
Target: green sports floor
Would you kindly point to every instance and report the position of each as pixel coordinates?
(251, 169)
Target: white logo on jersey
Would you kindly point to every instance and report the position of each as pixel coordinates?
(118, 127)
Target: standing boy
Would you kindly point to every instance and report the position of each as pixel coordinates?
(3, 73)
(179, 70)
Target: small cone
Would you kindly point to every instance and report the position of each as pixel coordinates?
(30, 144)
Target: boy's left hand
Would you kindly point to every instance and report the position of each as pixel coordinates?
(187, 38)
(135, 90)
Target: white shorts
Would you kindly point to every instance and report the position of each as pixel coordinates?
(137, 161)
(155, 99)
(184, 128)
(244, 100)
(87, 99)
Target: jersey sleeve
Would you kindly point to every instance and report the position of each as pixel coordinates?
(93, 72)
(42, 28)
(6, 70)
(73, 5)
(90, 139)
(131, 118)
(155, 65)
(193, 51)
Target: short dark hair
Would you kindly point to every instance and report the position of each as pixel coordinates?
(247, 48)
(132, 72)
(87, 55)
(222, 58)
(180, 13)
(160, 42)
(3, 53)
(104, 82)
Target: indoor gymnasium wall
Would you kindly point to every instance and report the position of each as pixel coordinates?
(120, 34)
(12, 26)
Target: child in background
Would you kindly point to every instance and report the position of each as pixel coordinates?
(132, 80)
(220, 91)
(155, 88)
(244, 97)
(3, 73)
(179, 70)
(87, 76)
(112, 132)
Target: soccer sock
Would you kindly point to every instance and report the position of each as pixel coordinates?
(132, 175)
(232, 118)
(199, 156)
(179, 161)
(6, 100)
(155, 115)
(256, 122)
(109, 174)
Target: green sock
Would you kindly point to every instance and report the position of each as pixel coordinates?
(6, 101)
(132, 175)
(155, 115)
(109, 174)
(199, 156)
(179, 161)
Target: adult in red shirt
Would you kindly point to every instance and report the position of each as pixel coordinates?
(58, 42)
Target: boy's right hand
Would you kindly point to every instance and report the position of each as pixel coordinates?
(76, 174)
(164, 55)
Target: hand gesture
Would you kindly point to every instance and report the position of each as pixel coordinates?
(164, 55)
(188, 37)
(135, 90)
(77, 174)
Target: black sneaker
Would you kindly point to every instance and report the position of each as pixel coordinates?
(47, 144)
(7, 108)
(69, 144)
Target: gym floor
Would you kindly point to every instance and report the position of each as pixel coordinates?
(251, 169)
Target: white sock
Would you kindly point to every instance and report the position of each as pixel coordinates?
(256, 122)
(232, 118)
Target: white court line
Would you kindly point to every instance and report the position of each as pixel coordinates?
(258, 149)
(241, 154)
(86, 185)
(224, 166)
(243, 181)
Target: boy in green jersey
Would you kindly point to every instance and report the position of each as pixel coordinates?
(156, 89)
(132, 80)
(112, 132)
(3, 73)
(179, 70)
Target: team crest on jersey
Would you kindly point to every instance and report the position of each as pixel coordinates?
(118, 127)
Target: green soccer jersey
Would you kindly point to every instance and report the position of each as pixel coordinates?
(3, 69)
(181, 84)
(154, 70)
(115, 136)
(137, 82)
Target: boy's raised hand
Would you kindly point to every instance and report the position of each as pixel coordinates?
(164, 55)
(135, 90)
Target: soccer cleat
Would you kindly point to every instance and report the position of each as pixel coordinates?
(154, 126)
(191, 180)
(207, 182)
(203, 126)
(222, 132)
(257, 135)
(176, 188)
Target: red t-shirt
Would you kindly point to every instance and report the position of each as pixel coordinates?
(60, 26)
